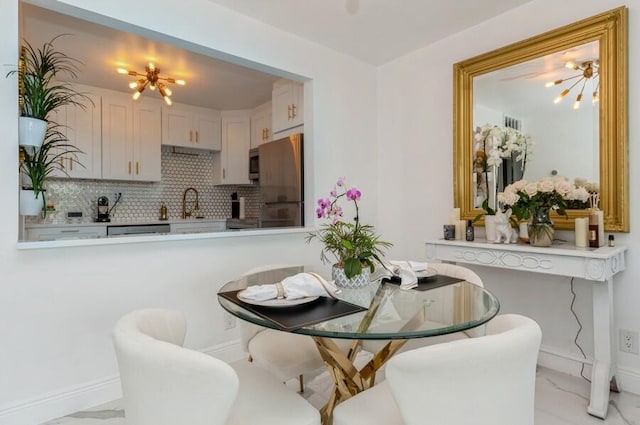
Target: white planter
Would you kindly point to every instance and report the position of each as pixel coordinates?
(490, 227)
(358, 281)
(31, 132)
(29, 204)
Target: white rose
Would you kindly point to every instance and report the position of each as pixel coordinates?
(530, 189)
(546, 186)
(564, 188)
(519, 185)
(580, 194)
(511, 198)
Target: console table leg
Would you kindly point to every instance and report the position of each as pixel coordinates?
(603, 366)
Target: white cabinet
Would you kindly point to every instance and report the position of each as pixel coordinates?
(131, 137)
(231, 164)
(82, 129)
(199, 227)
(65, 232)
(261, 125)
(287, 99)
(191, 127)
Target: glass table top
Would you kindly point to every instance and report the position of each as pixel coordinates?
(392, 313)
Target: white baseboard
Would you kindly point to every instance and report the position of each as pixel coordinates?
(627, 379)
(71, 399)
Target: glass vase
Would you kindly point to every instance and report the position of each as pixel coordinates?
(357, 281)
(541, 228)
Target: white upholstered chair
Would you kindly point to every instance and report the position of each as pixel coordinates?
(284, 354)
(488, 380)
(166, 384)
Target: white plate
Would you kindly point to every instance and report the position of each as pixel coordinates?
(275, 302)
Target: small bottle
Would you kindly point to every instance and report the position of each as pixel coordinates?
(612, 241)
(163, 212)
(470, 232)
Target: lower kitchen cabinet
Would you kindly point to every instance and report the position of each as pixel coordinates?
(231, 164)
(65, 232)
(198, 227)
(131, 138)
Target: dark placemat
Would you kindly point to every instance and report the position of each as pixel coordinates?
(295, 317)
(426, 283)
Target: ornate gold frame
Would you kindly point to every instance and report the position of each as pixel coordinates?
(610, 30)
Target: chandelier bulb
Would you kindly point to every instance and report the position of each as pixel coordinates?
(167, 100)
(180, 82)
(576, 104)
(133, 85)
(151, 66)
(595, 98)
(152, 86)
(136, 95)
(122, 71)
(562, 95)
(168, 91)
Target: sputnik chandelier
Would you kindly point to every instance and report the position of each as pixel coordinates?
(151, 78)
(588, 71)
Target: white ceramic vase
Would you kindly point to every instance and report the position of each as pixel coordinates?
(31, 132)
(358, 281)
(29, 204)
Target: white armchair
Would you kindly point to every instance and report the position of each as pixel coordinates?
(284, 354)
(166, 384)
(488, 380)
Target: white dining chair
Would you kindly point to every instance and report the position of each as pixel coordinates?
(286, 355)
(166, 384)
(488, 380)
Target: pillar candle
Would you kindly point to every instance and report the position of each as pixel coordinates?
(455, 216)
(461, 228)
(597, 217)
(582, 230)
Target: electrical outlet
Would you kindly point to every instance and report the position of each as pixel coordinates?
(229, 321)
(628, 341)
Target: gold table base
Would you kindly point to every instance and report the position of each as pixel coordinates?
(348, 380)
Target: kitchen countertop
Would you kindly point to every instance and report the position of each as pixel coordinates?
(124, 222)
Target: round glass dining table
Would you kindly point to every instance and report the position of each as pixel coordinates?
(379, 311)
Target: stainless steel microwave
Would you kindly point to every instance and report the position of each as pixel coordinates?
(254, 164)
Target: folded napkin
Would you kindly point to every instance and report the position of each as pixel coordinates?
(406, 270)
(293, 287)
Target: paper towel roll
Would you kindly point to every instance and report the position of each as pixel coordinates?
(242, 207)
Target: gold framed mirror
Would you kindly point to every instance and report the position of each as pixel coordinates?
(608, 32)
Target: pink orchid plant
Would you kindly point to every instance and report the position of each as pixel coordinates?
(352, 245)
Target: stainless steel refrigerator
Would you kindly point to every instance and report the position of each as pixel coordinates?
(281, 172)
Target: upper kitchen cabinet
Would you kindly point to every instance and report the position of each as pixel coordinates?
(231, 165)
(131, 137)
(191, 127)
(261, 125)
(82, 129)
(288, 109)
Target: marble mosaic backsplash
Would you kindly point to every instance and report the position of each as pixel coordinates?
(141, 201)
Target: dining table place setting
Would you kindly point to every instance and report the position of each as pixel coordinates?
(296, 301)
(413, 275)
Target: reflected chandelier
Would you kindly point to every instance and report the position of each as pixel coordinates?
(588, 71)
(151, 78)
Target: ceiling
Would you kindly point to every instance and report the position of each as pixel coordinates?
(374, 31)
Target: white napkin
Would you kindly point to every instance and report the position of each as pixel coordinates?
(298, 286)
(407, 272)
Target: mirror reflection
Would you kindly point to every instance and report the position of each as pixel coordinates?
(542, 133)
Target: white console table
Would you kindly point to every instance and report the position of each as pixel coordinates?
(596, 265)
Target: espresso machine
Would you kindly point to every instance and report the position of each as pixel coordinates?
(103, 210)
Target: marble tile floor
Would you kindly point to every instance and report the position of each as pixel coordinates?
(560, 400)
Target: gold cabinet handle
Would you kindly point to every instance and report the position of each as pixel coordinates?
(190, 135)
(129, 167)
(293, 111)
(224, 173)
(288, 111)
(137, 167)
(197, 136)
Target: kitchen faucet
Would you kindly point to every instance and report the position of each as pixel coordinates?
(186, 214)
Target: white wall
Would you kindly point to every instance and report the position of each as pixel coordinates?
(58, 306)
(415, 134)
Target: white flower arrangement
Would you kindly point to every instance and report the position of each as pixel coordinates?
(493, 143)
